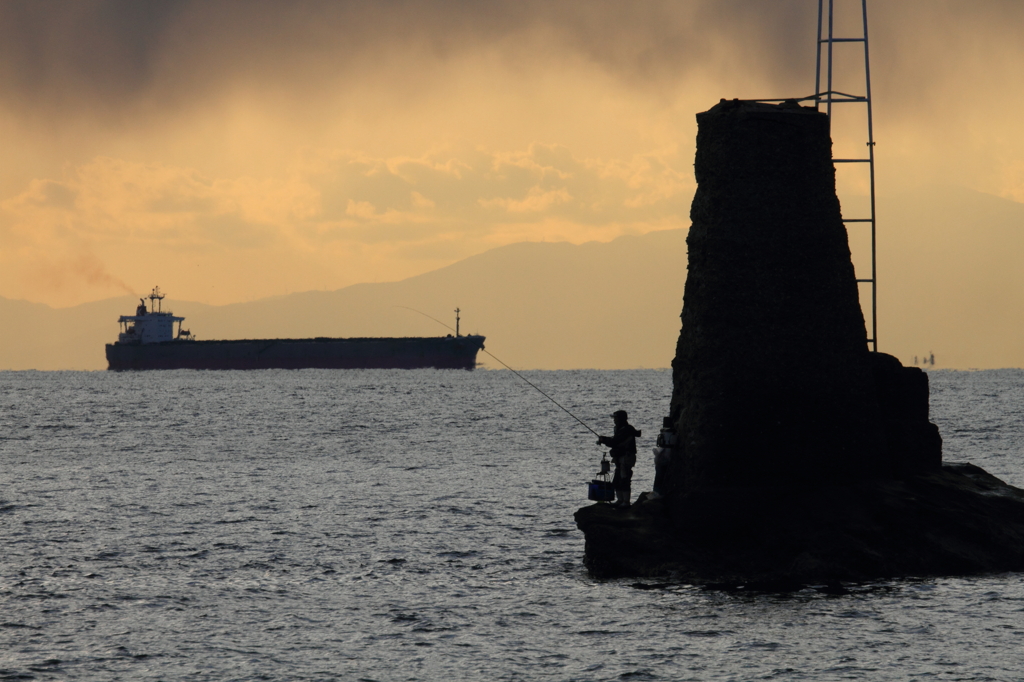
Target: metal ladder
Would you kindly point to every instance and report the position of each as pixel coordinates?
(828, 97)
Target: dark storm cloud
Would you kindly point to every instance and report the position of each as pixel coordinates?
(59, 54)
(56, 54)
(105, 46)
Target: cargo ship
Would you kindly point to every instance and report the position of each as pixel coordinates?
(148, 341)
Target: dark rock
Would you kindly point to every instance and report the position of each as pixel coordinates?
(958, 520)
(771, 376)
(912, 443)
(801, 456)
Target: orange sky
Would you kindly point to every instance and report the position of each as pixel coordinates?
(229, 151)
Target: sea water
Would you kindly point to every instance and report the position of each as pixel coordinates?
(416, 525)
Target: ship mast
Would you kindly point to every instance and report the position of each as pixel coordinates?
(155, 296)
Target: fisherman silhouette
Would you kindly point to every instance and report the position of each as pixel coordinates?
(623, 454)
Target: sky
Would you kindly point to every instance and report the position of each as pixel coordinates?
(231, 150)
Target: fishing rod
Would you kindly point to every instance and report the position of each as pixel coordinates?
(513, 371)
(543, 393)
(432, 318)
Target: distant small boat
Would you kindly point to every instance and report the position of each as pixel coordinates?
(926, 359)
(147, 341)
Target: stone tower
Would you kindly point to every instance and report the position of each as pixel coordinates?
(772, 377)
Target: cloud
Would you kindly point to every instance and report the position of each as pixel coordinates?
(46, 194)
(333, 204)
(535, 201)
(117, 54)
(333, 140)
(478, 188)
(289, 70)
(110, 44)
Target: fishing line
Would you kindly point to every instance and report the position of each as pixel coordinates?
(425, 315)
(514, 372)
(542, 393)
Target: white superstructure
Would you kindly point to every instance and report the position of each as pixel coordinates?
(151, 326)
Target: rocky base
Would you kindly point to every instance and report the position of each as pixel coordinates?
(955, 521)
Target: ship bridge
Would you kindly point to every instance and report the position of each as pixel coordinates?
(152, 325)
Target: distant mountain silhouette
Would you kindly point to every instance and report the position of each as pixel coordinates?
(950, 283)
(541, 305)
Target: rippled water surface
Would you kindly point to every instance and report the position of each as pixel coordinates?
(415, 525)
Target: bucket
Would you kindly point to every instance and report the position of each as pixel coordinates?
(602, 491)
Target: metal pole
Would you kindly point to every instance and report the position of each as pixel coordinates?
(871, 165)
(817, 61)
(829, 96)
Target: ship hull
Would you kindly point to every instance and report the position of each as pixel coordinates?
(322, 353)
